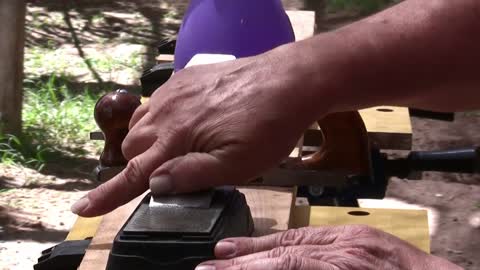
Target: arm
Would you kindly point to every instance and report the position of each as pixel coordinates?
(217, 124)
(419, 53)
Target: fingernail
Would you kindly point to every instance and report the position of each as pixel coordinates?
(80, 205)
(205, 267)
(161, 184)
(225, 249)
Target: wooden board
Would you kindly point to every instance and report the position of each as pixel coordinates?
(303, 23)
(409, 225)
(84, 228)
(389, 127)
(270, 209)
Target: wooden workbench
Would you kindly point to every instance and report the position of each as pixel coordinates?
(270, 208)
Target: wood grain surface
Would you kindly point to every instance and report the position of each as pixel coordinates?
(270, 209)
(409, 225)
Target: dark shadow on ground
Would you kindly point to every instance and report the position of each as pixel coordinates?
(37, 235)
(74, 168)
(66, 186)
(16, 227)
(7, 183)
(39, 152)
(70, 181)
(101, 24)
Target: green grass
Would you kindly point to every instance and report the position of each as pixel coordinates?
(58, 105)
(64, 117)
(56, 122)
(57, 116)
(57, 110)
(21, 150)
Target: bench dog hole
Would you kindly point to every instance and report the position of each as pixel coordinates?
(358, 213)
(384, 110)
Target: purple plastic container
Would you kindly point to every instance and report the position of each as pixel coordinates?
(238, 27)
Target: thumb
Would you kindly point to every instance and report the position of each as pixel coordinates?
(192, 172)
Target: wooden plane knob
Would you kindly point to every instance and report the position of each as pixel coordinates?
(345, 145)
(113, 112)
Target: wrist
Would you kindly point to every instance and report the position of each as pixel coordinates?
(304, 83)
(292, 86)
(322, 74)
(416, 259)
(437, 263)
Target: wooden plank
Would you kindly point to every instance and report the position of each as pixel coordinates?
(164, 58)
(389, 127)
(270, 208)
(409, 225)
(303, 23)
(12, 40)
(84, 228)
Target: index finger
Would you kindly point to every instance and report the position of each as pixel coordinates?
(125, 186)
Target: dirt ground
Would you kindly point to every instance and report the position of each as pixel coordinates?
(453, 198)
(34, 207)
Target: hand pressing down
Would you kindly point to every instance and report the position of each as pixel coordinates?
(354, 247)
(207, 126)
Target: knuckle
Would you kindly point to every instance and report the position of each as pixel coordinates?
(245, 266)
(158, 145)
(363, 229)
(290, 262)
(134, 172)
(359, 252)
(292, 237)
(98, 193)
(127, 146)
(277, 252)
(127, 150)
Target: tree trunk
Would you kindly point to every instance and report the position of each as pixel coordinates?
(12, 41)
(319, 7)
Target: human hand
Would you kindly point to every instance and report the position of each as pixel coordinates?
(208, 125)
(351, 247)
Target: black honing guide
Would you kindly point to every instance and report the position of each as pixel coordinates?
(179, 236)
